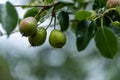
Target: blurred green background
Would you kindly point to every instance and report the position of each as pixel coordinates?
(21, 62)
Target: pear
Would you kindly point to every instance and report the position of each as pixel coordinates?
(57, 39)
(28, 26)
(39, 38)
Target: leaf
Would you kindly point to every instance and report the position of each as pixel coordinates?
(118, 8)
(9, 17)
(82, 15)
(45, 14)
(106, 42)
(48, 1)
(5, 73)
(63, 19)
(84, 33)
(113, 15)
(99, 4)
(62, 4)
(92, 29)
(0, 11)
(32, 12)
(74, 25)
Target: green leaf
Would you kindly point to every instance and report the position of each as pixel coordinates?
(84, 33)
(114, 15)
(48, 1)
(74, 25)
(5, 73)
(32, 12)
(9, 17)
(0, 11)
(61, 4)
(82, 15)
(92, 29)
(118, 8)
(106, 42)
(99, 4)
(45, 14)
(63, 19)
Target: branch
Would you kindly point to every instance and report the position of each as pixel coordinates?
(26, 6)
(47, 6)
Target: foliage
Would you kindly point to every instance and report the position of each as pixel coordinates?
(73, 13)
(4, 70)
(8, 17)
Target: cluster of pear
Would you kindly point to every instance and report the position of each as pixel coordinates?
(37, 35)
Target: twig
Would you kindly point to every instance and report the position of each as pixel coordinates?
(101, 15)
(27, 6)
(49, 23)
(39, 12)
(46, 6)
(54, 21)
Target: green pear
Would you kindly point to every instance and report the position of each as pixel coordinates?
(57, 39)
(39, 38)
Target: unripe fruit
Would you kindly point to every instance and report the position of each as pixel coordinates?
(112, 3)
(39, 38)
(116, 24)
(57, 39)
(28, 26)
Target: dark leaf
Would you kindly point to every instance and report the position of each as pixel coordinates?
(32, 12)
(99, 4)
(9, 17)
(110, 16)
(63, 19)
(92, 29)
(61, 4)
(106, 42)
(48, 1)
(0, 11)
(84, 33)
(113, 15)
(1, 33)
(106, 21)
